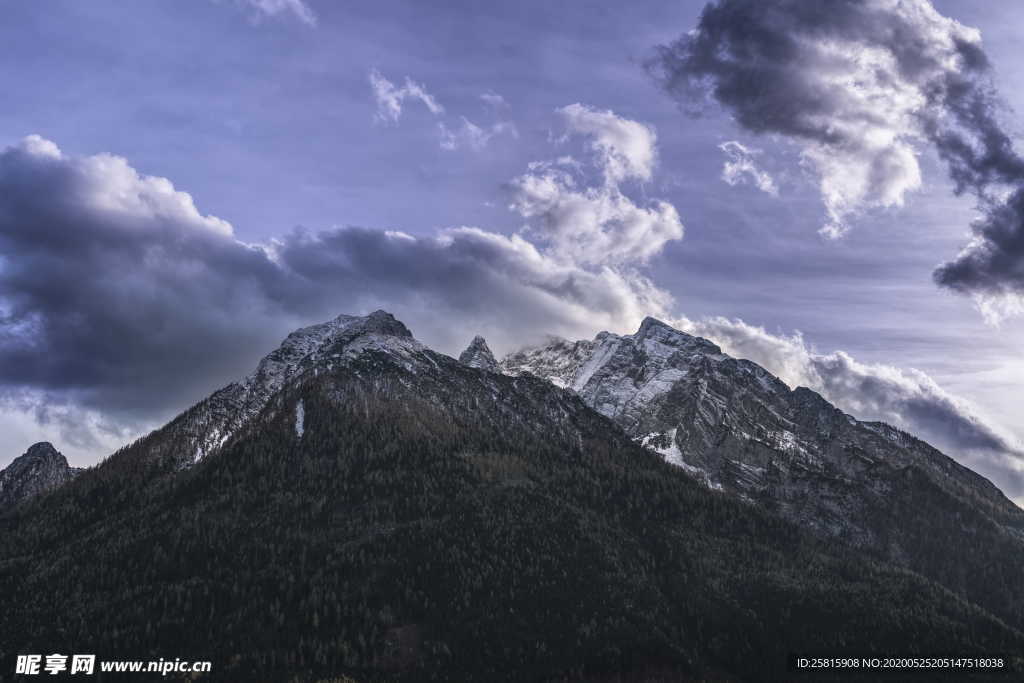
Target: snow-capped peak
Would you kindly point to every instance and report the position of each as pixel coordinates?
(574, 364)
(308, 349)
(309, 345)
(646, 382)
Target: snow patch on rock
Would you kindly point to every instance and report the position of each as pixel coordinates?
(300, 419)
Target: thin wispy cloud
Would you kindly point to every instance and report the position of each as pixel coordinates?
(469, 135)
(463, 134)
(270, 8)
(390, 98)
(740, 168)
(493, 99)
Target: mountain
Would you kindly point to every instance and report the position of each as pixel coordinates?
(41, 469)
(739, 429)
(207, 426)
(362, 506)
(478, 355)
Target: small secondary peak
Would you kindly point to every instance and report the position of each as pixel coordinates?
(478, 355)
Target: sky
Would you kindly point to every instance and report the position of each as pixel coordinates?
(833, 194)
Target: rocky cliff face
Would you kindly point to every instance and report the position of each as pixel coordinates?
(736, 427)
(41, 469)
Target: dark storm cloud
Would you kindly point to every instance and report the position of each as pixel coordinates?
(858, 83)
(118, 296)
(991, 266)
(104, 273)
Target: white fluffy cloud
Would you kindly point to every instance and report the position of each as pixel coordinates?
(740, 168)
(597, 224)
(469, 280)
(625, 149)
(390, 97)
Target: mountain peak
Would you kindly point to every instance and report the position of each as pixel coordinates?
(478, 355)
(660, 331)
(382, 322)
(41, 468)
(649, 322)
(306, 351)
(42, 449)
(345, 327)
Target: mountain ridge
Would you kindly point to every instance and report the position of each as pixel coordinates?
(432, 520)
(573, 364)
(738, 429)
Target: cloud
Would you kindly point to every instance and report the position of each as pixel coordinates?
(859, 86)
(389, 97)
(625, 149)
(120, 302)
(991, 267)
(740, 168)
(906, 398)
(597, 225)
(271, 8)
(471, 136)
(465, 278)
(116, 293)
(494, 100)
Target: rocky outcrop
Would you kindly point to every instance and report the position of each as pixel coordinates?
(42, 468)
(478, 355)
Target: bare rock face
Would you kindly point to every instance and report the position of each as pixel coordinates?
(478, 355)
(738, 428)
(41, 469)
